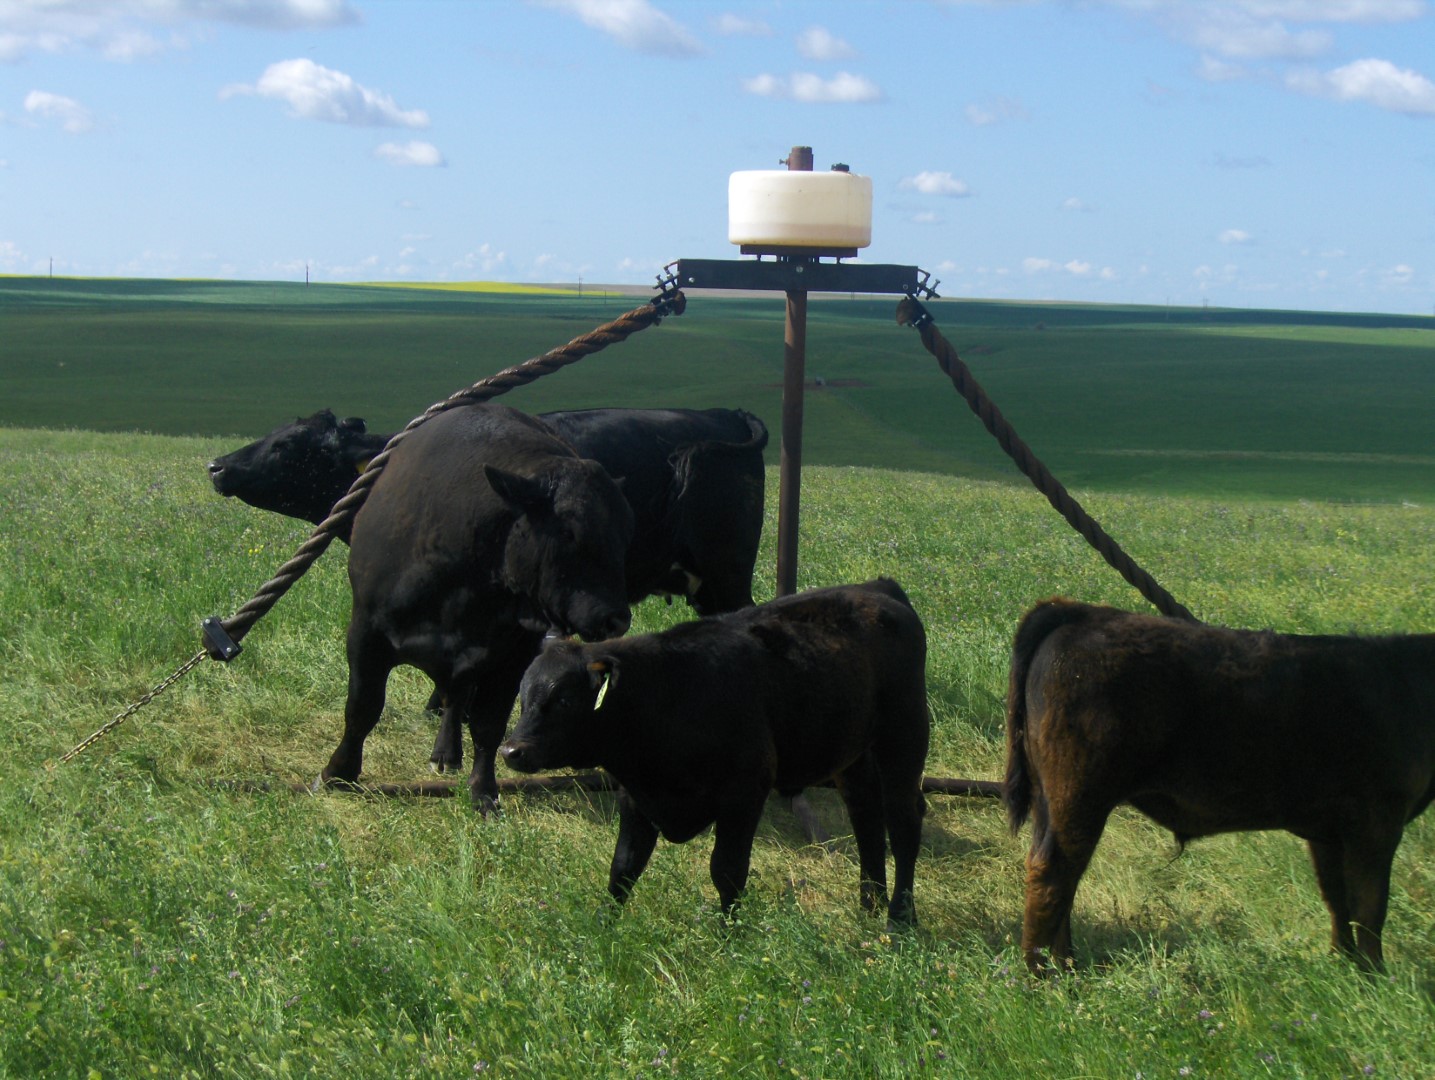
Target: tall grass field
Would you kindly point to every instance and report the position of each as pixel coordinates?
(170, 906)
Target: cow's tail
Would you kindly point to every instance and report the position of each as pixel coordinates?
(1038, 623)
(684, 458)
(758, 430)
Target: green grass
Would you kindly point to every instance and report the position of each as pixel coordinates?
(169, 907)
(159, 915)
(1236, 404)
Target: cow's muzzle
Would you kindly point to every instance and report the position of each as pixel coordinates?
(521, 757)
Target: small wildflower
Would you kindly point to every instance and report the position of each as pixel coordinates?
(1205, 1014)
(1369, 1070)
(1184, 1070)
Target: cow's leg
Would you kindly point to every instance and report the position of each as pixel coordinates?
(371, 658)
(900, 763)
(435, 701)
(495, 684)
(1328, 858)
(1063, 840)
(731, 859)
(637, 836)
(447, 753)
(1367, 888)
(861, 792)
(904, 807)
(721, 592)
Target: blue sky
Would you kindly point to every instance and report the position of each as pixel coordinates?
(1248, 153)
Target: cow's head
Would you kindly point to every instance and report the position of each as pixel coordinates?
(561, 691)
(566, 551)
(299, 469)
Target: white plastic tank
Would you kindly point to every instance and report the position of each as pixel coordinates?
(780, 208)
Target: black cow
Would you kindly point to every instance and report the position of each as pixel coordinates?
(484, 531)
(1208, 730)
(694, 479)
(700, 722)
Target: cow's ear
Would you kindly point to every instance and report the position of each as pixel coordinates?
(603, 669)
(522, 492)
(353, 423)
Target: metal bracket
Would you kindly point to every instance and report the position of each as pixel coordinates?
(217, 641)
(926, 287)
(670, 300)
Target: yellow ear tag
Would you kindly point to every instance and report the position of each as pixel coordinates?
(362, 465)
(602, 693)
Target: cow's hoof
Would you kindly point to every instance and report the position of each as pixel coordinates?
(487, 807)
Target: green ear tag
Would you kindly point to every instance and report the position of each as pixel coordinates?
(602, 693)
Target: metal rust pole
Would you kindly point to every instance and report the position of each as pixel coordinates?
(789, 493)
(794, 366)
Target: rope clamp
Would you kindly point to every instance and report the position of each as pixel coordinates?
(910, 312)
(926, 287)
(217, 641)
(670, 300)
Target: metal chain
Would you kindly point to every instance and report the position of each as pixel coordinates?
(183, 670)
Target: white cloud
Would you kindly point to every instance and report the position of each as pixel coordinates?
(73, 117)
(819, 43)
(409, 153)
(1374, 82)
(1231, 32)
(1337, 10)
(1235, 236)
(730, 25)
(935, 183)
(634, 24)
(1076, 205)
(995, 112)
(842, 88)
(130, 45)
(124, 29)
(927, 217)
(314, 92)
(1075, 267)
(1219, 71)
(485, 260)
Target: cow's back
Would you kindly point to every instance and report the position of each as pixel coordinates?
(1208, 729)
(432, 508)
(696, 483)
(848, 666)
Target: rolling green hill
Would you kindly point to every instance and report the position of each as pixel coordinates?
(1236, 403)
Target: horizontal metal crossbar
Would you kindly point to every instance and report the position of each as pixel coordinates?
(795, 275)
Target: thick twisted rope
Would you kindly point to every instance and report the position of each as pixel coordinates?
(911, 313)
(221, 637)
(239, 624)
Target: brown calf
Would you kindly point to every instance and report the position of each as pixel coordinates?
(1208, 730)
